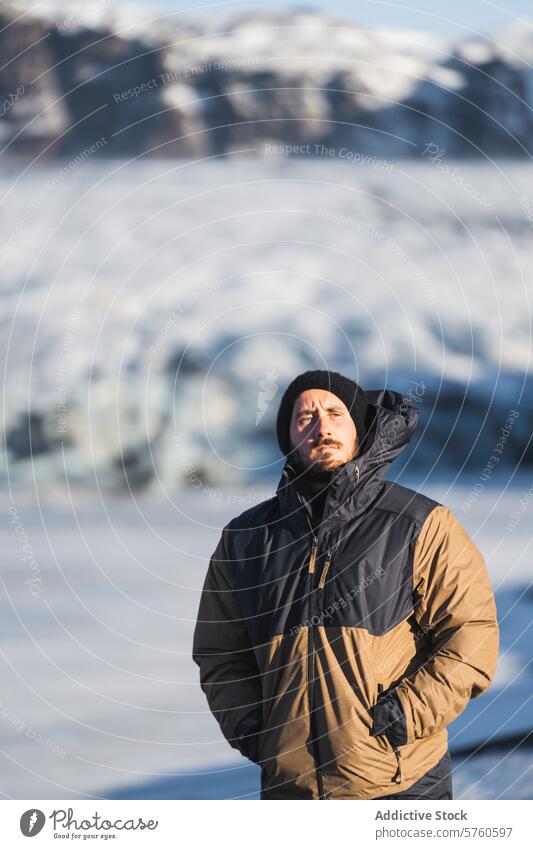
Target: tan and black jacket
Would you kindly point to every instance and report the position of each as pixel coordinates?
(337, 659)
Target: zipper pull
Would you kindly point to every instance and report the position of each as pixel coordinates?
(313, 556)
(325, 571)
(397, 778)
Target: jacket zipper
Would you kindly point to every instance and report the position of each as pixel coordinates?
(397, 777)
(311, 637)
(311, 661)
(311, 645)
(311, 633)
(311, 668)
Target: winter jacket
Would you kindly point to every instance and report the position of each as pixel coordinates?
(336, 659)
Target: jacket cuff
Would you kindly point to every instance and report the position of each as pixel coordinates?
(389, 720)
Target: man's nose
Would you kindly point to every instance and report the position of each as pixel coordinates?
(322, 426)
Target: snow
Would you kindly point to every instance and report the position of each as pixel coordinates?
(134, 287)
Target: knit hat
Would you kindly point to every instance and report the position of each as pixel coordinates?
(350, 393)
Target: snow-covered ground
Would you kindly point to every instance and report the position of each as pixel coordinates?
(100, 696)
(133, 293)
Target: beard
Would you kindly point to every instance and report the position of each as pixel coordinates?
(323, 466)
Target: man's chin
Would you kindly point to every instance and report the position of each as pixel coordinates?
(329, 465)
(322, 464)
(328, 459)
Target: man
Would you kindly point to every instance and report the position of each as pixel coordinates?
(345, 622)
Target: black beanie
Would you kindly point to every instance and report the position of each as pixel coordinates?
(349, 392)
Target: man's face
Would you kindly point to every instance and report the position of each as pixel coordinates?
(322, 431)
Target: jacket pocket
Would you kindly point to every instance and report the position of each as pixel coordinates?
(389, 722)
(254, 749)
(248, 733)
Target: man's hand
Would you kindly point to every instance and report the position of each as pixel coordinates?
(389, 720)
(248, 734)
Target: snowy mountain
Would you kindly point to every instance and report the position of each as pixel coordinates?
(164, 84)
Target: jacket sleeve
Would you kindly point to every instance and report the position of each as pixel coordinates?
(454, 605)
(229, 675)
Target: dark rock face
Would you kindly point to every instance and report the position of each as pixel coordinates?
(26, 54)
(192, 89)
(91, 67)
(82, 71)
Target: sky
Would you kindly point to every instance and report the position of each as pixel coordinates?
(453, 17)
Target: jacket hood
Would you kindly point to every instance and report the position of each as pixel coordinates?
(358, 482)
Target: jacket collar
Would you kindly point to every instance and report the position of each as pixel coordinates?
(357, 483)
